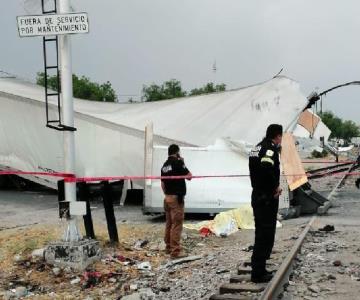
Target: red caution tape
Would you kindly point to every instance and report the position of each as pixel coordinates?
(62, 175)
(328, 162)
(71, 177)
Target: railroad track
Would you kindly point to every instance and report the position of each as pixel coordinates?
(240, 286)
(329, 170)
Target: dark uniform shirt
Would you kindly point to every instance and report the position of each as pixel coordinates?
(264, 165)
(174, 167)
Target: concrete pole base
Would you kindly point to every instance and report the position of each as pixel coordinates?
(77, 255)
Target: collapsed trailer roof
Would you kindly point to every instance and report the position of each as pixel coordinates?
(240, 114)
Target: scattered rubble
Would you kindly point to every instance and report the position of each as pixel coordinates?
(318, 270)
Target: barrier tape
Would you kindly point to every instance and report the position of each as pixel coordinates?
(62, 175)
(329, 162)
(71, 177)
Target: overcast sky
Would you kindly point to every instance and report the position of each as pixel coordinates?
(136, 42)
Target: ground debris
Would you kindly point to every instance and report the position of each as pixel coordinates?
(182, 260)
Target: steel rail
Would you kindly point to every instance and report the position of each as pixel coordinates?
(329, 167)
(281, 276)
(342, 179)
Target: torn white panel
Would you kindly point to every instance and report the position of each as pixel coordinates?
(240, 114)
(322, 131)
(300, 131)
(345, 149)
(310, 126)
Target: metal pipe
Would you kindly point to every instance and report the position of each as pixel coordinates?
(72, 232)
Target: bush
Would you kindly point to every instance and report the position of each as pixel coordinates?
(317, 154)
(83, 88)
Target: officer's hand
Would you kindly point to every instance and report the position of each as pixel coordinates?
(189, 174)
(278, 192)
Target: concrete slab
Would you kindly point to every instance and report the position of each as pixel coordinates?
(77, 255)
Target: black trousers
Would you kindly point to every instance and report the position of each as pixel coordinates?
(265, 210)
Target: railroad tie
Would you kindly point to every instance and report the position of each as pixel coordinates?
(240, 278)
(230, 297)
(233, 288)
(243, 270)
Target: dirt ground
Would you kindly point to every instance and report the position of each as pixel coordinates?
(25, 227)
(329, 264)
(28, 221)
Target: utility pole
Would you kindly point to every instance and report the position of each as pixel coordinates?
(72, 232)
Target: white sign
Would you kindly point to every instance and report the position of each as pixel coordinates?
(53, 24)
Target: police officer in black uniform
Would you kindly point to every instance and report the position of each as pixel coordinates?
(175, 191)
(264, 165)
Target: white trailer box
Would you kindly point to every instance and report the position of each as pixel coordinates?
(207, 195)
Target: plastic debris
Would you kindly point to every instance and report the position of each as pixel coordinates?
(144, 266)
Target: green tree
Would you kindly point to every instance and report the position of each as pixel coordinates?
(340, 129)
(349, 130)
(83, 88)
(208, 89)
(168, 90)
(172, 89)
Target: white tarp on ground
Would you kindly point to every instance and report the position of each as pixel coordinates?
(110, 136)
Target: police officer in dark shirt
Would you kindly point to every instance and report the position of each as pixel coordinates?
(264, 165)
(175, 191)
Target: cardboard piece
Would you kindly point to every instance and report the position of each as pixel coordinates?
(291, 163)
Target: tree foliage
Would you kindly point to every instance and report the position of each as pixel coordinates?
(208, 88)
(340, 129)
(168, 90)
(172, 89)
(83, 88)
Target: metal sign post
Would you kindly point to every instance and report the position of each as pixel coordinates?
(72, 233)
(61, 25)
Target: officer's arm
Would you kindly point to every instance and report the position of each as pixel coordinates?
(267, 163)
(181, 169)
(163, 186)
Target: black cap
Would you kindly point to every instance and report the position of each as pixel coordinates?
(273, 131)
(173, 149)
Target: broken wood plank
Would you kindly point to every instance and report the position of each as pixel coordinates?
(183, 260)
(231, 288)
(292, 166)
